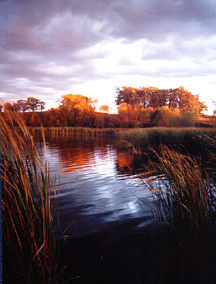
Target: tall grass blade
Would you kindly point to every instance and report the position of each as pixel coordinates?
(29, 246)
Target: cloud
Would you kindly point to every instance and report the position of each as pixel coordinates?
(158, 20)
(52, 47)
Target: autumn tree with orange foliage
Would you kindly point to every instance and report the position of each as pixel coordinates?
(178, 98)
(128, 115)
(155, 107)
(104, 108)
(78, 110)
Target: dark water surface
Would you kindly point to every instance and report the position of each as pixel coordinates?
(111, 239)
(99, 183)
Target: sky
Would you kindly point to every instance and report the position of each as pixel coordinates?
(50, 48)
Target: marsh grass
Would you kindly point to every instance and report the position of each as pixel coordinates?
(195, 141)
(28, 242)
(79, 131)
(186, 215)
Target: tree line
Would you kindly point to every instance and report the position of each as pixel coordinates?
(30, 103)
(137, 107)
(145, 97)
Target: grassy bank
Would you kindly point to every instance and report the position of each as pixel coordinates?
(185, 140)
(186, 214)
(28, 243)
(186, 203)
(141, 139)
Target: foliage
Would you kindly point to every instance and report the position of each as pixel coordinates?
(78, 109)
(145, 115)
(144, 97)
(35, 104)
(183, 120)
(143, 107)
(23, 105)
(99, 121)
(54, 117)
(28, 242)
(104, 108)
(8, 107)
(127, 115)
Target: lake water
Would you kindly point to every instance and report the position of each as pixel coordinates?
(103, 198)
(99, 183)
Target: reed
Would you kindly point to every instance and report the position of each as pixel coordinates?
(186, 140)
(28, 242)
(186, 214)
(79, 131)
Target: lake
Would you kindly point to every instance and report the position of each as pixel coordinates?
(102, 202)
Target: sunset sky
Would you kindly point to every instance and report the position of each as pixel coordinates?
(90, 47)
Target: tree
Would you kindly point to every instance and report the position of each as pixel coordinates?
(165, 115)
(104, 108)
(35, 104)
(21, 105)
(127, 95)
(32, 119)
(128, 116)
(158, 98)
(78, 109)
(144, 97)
(41, 105)
(187, 102)
(8, 107)
(145, 115)
(54, 117)
(178, 98)
(214, 104)
(172, 99)
(99, 121)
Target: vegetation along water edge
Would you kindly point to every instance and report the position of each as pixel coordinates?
(185, 201)
(30, 251)
(185, 204)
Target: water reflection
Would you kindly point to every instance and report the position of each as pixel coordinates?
(98, 183)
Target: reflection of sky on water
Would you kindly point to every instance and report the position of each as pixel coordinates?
(92, 189)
